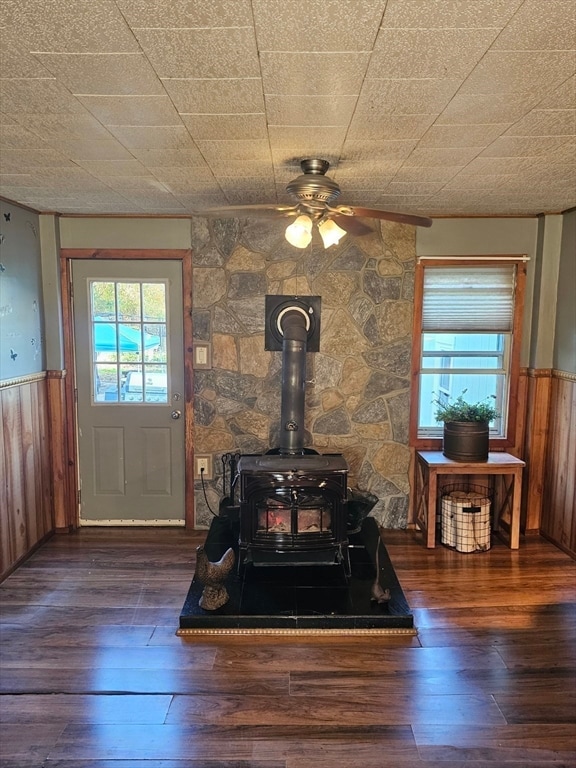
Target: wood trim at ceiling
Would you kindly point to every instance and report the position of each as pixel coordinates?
(174, 254)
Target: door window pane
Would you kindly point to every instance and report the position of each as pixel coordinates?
(129, 354)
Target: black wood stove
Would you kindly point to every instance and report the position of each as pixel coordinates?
(293, 507)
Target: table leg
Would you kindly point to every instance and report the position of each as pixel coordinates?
(431, 502)
(515, 513)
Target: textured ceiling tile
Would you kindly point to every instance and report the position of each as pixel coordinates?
(457, 13)
(34, 96)
(546, 122)
(89, 149)
(539, 26)
(407, 97)
(284, 136)
(247, 191)
(221, 153)
(200, 200)
(201, 52)
(338, 73)
(413, 188)
(500, 166)
(435, 173)
(462, 135)
(180, 174)
(135, 183)
(407, 203)
(259, 169)
(84, 25)
(73, 177)
(112, 168)
(532, 72)
(563, 97)
(309, 110)
(104, 73)
(470, 109)
(168, 156)
(250, 197)
(451, 76)
(436, 53)
(226, 126)
(316, 25)
(14, 160)
(191, 187)
(481, 181)
(199, 13)
(357, 180)
(442, 156)
(388, 126)
(15, 59)
(390, 154)
(524, 146)
(132, 110)
(59, 128)
(16, 180)
(153, 200)
(216, 96)
(153, 137)
(17, 137)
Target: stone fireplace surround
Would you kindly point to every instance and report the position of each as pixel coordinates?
(357, 392)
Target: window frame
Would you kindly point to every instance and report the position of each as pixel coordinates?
(508, 439)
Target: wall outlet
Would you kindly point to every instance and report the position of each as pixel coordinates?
(203, 467)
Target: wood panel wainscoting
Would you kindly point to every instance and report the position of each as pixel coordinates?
(559, 487)
(26, 511)
(94, 676)
(535, 444)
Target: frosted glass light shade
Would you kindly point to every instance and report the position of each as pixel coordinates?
(299, 233)
(330, 232)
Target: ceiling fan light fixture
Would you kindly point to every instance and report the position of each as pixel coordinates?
(299, 233)
(330, 232)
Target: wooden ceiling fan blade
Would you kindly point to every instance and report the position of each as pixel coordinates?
(352, 225)
(376, 213)
(262, 211)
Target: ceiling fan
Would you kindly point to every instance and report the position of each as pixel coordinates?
(314, 194)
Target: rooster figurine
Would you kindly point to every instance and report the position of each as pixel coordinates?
(212, 576)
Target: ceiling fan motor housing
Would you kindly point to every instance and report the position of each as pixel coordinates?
(314, 185)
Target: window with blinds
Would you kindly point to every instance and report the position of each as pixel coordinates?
(465, 330)
(472, 299)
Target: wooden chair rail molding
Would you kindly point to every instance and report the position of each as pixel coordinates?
(20, 380)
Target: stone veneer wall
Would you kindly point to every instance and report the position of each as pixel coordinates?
(357, 398)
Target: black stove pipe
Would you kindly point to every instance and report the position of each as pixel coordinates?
(294, 343)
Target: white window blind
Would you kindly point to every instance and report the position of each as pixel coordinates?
(474, 298)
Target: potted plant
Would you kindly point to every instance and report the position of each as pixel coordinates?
(466, 427)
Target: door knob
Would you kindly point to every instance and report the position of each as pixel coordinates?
(176, 414)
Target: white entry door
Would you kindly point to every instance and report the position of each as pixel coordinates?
(129, 352)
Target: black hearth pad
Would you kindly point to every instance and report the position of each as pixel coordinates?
(303, 599)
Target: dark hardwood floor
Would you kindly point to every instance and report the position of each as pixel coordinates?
(94, 676)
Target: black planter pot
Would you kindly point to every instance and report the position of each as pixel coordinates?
(466, 440)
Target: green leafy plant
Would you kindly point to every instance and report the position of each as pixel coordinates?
(460, 410)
